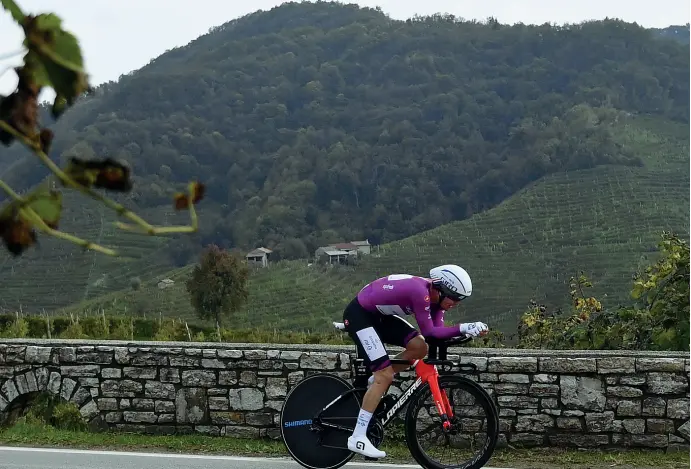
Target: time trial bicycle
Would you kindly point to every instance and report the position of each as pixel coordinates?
(319, 413)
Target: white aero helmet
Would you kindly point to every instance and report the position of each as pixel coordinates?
(452, 281)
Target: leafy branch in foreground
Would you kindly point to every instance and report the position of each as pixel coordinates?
(659, 320)
(54, 59)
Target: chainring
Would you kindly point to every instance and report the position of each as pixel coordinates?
(375, 433)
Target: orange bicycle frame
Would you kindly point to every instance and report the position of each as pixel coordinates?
(430, 374)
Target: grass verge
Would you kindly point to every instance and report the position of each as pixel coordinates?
(25, 433)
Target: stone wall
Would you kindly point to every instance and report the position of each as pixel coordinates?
(576, 398)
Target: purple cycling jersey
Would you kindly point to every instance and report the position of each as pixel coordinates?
(401, 295)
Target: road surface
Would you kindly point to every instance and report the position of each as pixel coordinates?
(41, 458)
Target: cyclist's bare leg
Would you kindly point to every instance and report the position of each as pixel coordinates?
(416, 349)
(358, 441)
(382, 380)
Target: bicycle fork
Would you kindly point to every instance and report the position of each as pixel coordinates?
(430, 374)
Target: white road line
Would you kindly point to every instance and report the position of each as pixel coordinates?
(191, 456)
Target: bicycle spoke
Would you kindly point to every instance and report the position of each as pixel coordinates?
(464, 440)
(429, 427)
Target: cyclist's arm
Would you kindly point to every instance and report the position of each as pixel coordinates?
(432, 328)
(438, 317)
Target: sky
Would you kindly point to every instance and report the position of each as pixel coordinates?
(118, 36)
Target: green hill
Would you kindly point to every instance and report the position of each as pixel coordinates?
(312, 123)
(605, 221)
(57, 273)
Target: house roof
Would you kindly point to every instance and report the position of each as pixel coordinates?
(344, 246)
(335, 252)
(361, 243)
(259, 252)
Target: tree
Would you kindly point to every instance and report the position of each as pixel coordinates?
(218, 285)
(663, 292)
(135, 283)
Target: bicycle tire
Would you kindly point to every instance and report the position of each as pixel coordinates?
(481, 396)
(302, 404)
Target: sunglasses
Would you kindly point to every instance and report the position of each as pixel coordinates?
(453, 296)
(456, 298)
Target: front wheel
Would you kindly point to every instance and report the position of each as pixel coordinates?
(472, 437)
(312, 445)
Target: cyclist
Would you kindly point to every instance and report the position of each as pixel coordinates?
(375, 317)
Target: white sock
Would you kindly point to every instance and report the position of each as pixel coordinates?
(362, 423)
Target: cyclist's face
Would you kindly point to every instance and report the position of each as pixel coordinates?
(446, 304)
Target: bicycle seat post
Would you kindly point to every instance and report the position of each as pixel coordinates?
(432, 351)
(442, 351)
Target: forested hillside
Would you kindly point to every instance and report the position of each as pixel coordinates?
(677, 32)
(319, 122)
(322, 122)
(605, 222)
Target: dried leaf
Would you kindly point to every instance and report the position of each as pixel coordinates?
(107, 174)
(20, 111)
(17, 231)
(182, 201)
(198, 191)
(17, 234)
(46, 138)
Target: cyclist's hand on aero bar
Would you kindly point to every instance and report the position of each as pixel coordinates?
(473, 329)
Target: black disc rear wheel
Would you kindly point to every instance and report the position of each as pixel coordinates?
(312, 445)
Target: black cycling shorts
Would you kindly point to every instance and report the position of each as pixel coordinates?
(370, 331)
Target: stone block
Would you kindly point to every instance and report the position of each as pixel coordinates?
(35, 354)
(660, 364)
(138, 372)
(110, 373)
(514, 378)
(139, 417)
(191, 405)
(567, 365)
(624, 391)
(666, 383)
(678, 408)
(569, 423)
(620, 365)
(512, 364)
(543, 390)
(319, 361)
(246, 399)
(583, 393)
(199, 378)
(80, 370)
(159, 390)
(534, 423)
